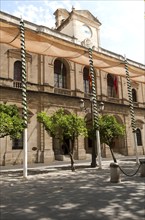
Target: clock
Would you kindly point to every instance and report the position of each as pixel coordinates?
(86, 31)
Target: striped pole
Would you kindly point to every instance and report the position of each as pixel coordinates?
(24, 97)
(95, 109)
(131, 109)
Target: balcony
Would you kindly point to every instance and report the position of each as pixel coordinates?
(114, 100)
(62, 91)
(17, 84)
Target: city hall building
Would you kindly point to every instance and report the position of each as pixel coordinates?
(57, 67)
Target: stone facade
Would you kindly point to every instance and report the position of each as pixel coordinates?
(44, 95)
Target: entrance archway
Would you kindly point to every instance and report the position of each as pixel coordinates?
(119, 143)
(66, 146)
(89, 142)
(61, 147)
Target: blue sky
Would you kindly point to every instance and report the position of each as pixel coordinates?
(123, 22)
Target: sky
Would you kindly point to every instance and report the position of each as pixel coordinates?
(123, 21)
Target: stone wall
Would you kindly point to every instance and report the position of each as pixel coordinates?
(42, 95)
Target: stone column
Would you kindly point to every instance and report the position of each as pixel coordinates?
(143, 138)
(80, 148)
(48, 148)
(48, 74)
(129, 139)
(6, 151)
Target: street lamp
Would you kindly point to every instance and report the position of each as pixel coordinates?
(82, 105)
(100, 109)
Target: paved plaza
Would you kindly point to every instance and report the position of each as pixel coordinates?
(60, 194)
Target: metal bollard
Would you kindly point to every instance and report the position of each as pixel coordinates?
(142, 167)
(114, 173)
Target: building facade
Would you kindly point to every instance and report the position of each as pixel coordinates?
(55, 82)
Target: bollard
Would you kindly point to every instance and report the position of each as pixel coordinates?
(142, 167)
(114, 173)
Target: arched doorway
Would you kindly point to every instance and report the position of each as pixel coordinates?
(61, 146)
(66, 146)
(119, 145)
(89, 142)
(140, 137)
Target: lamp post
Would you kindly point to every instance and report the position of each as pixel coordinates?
(94, 153)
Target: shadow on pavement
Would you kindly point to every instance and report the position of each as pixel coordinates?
(86, 194)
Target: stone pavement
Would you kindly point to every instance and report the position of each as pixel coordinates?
(56, 193)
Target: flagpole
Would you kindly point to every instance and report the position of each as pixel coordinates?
(131, 110)
(95, 110)
(24, 97)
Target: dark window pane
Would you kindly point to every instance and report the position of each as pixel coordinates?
(110, 80)
(86, 79)
(60, 74)
(138, 135)
(134, 97)
(18, 71)
(110, 85)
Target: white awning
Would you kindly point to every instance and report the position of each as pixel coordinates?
(43, 43)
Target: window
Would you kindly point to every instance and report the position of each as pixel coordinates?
(60, 74)
(17, 74)
(87, 80)
(138, 136)
(17, 144)
(112, 85)
(134, 97)
(18, 71)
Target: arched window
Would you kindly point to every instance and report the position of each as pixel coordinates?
(18, 71)
(60, 74)
(138, 136)
(134, 96)
(87, 80)
(110, 85)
